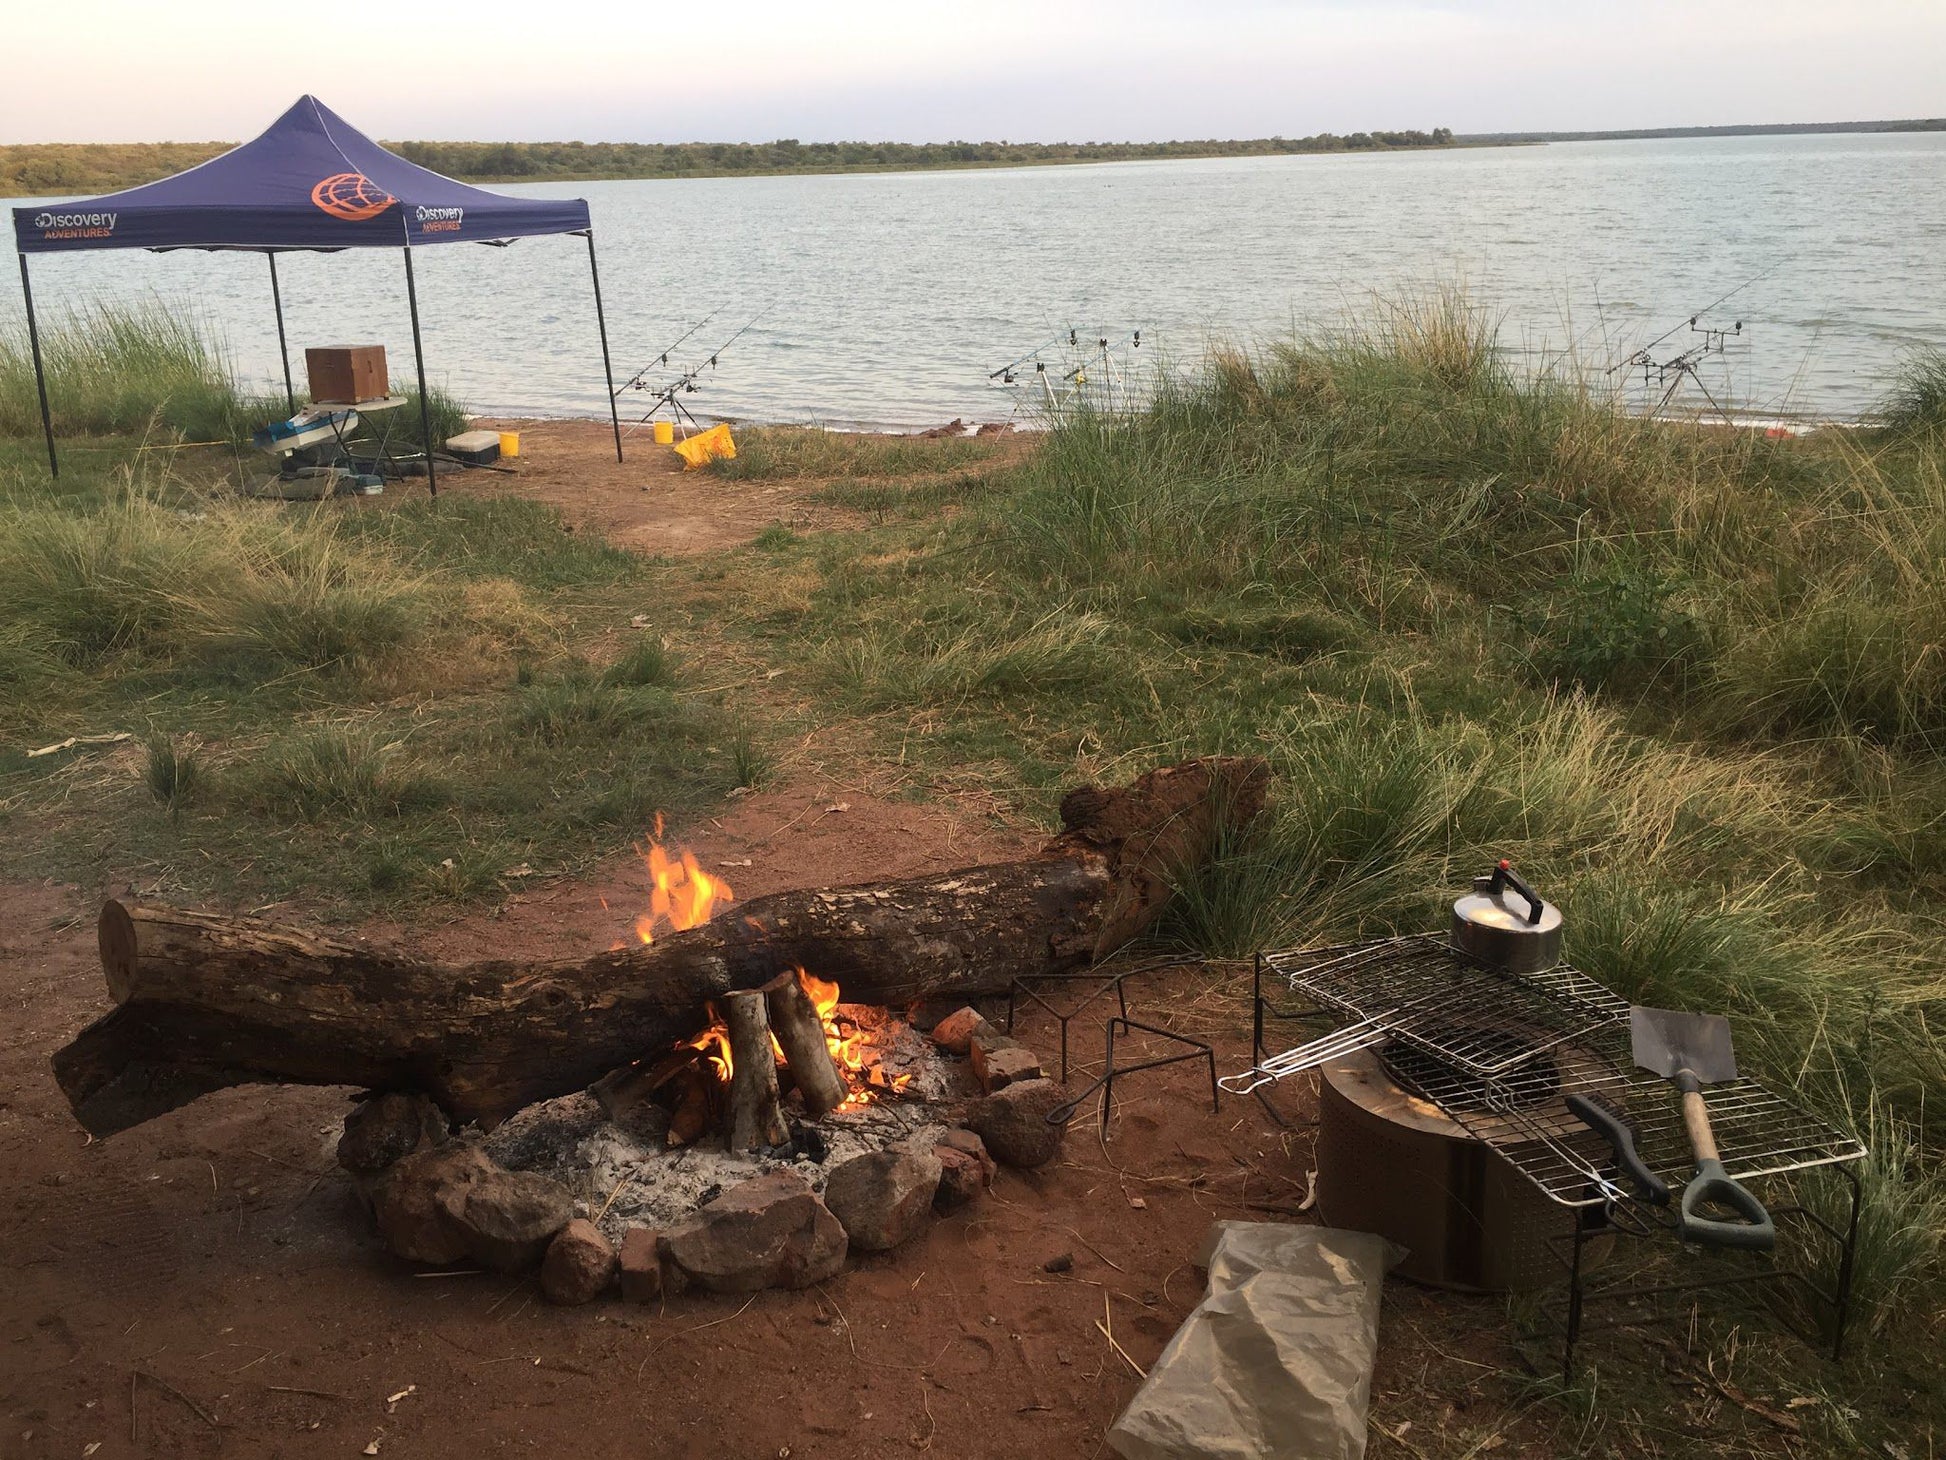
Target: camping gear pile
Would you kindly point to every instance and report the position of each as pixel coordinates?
(1568, 1086)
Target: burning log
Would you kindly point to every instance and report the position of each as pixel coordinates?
(207, 1001)
(756, 1119)
(800, 1034)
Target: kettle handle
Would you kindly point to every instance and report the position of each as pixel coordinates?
(1504, 877)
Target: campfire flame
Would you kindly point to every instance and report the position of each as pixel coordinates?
(682, 895)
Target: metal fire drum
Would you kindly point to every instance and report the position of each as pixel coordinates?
(1392, 1163)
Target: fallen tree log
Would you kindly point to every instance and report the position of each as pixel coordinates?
(206, 1001)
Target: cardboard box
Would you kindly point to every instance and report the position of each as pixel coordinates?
(348, 373)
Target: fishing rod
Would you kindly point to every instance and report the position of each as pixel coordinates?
(1683, 365)
(634, 382)
(688, 382)
(1005, 374)
(1691, 321)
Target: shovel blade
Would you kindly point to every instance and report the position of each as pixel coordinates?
(1669, 1040)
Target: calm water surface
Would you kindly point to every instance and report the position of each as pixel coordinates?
(887, 299)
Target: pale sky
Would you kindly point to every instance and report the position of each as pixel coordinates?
(1018, 70)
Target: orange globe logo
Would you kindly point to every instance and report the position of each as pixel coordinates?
(351, 196)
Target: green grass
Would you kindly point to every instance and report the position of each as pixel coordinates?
(1916, 404)
(371, 704)
(1688, 679)
(783, 453)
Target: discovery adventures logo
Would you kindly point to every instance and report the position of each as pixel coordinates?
(351, 196)
(56, 227)
(440, 220)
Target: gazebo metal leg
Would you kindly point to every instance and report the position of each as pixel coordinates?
(419, 358)
(40, 371)
(283, 348)
(601, 321)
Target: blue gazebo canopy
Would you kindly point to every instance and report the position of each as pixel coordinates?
(310, 181)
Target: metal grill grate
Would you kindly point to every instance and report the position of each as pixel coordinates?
(1472, 1016)
(1500, 1053)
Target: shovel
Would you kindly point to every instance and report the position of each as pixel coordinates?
(1691, 1051)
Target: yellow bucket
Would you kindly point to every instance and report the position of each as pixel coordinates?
(701, 450)
(510, 443)
(665, 433)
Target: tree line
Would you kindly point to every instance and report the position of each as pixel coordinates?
(48, 169)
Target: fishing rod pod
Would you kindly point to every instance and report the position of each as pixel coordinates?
(1504, 922)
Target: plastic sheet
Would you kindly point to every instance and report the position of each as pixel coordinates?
(1276, 1361)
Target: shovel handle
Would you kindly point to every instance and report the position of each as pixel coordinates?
(1751, 1228)
(1696, 1119)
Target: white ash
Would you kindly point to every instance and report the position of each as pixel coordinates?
(640, 1183)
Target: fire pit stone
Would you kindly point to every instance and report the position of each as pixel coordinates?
(768, 1232)
(508, 1218)
(645, 1266)
(965, 1169)
(385, 1129)
(955, 1032)
(999, 1061)
(1013, 1123)
(884, 1197)
(579, 1266)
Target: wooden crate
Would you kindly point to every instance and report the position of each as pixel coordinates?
(348, 373)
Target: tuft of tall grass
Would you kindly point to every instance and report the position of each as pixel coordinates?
(1915, 406)
(224, 586)
(338, 770)
(644, 662)
(121, 368)
(173, 770)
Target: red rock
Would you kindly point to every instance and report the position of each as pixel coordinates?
(507, 1218)
(1013, 1123)
(415, 1198)
(884, 1197)
(768, 1232)
(955, 1032)
(642, 1261)
(385, 1129)
(579, 1266)
(999, 1061)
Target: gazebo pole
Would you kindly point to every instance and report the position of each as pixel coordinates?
(40, 373)
(283, 348)
(601, 321)
(419, 357)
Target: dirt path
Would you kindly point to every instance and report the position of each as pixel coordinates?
(646, 502)
(219, 1250)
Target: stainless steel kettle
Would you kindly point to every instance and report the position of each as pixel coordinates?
(1521, 939)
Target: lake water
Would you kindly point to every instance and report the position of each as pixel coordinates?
(887, 299)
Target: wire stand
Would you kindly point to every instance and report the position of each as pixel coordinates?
(1018, 990)
(1631, 1220)
(1260, 1009)
(1119, 1025)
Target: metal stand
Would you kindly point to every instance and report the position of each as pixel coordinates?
(1260, 1007)
(40, 372)
(1018, 990)
(1639, 1221)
